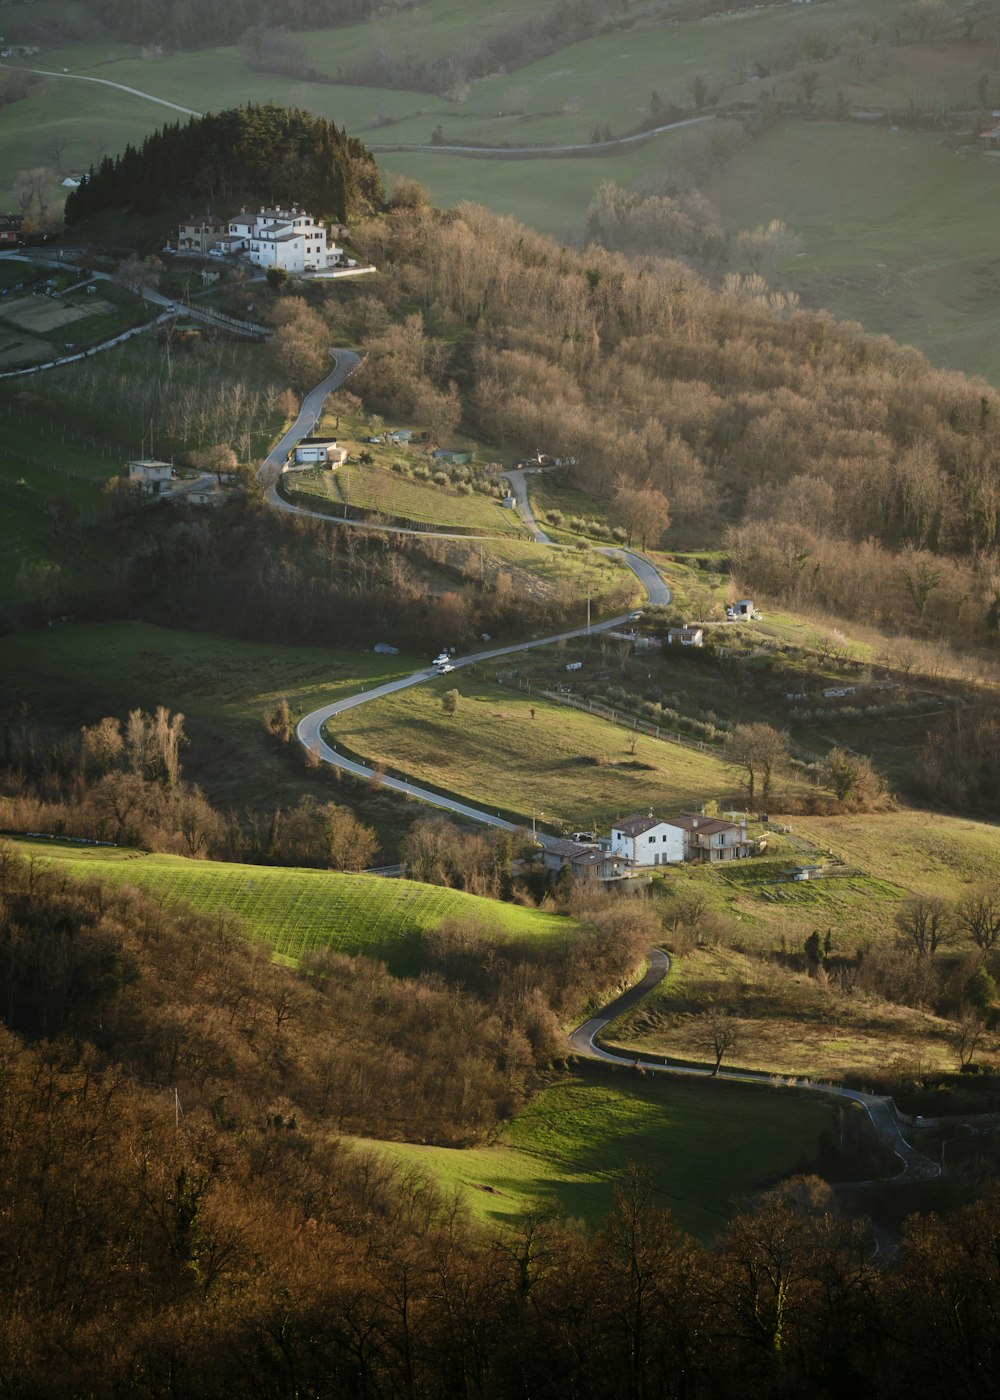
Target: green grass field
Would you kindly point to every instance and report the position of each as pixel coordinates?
(705, 1145)
(378, 489)
(793, 1024)
(897, 229)
(570, 768)
(909, 250)
(44, 481)
(296, 912)
(927, 852)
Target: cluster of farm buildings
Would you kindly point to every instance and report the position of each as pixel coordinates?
(643, 841)
(288, 239)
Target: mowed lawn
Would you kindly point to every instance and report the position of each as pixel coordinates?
(377, 489)
(296, 912)
(520, 754)
(705, 1144)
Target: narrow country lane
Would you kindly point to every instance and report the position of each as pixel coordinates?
(105, 82)
(881, 1110)
(310, 729)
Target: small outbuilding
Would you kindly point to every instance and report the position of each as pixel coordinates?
(686, 637)
(455, 456)
(313, 451)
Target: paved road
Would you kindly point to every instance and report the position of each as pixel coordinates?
(880, 1109)
(345, 362)
(310, 729)
(106, 82)
(168, 311)
(520, 489)
(523, 152)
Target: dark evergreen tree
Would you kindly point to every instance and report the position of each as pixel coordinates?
(254, 155)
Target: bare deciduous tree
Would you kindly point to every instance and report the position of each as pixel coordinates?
(718, 1032)
(925, 925)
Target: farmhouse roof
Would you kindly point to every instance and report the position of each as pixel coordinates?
(705, 826)
(569, 850)
(636, 824)
(592, 856)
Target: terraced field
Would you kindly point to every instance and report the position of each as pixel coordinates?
(704, 1144)
(374, 488)
(296, 912)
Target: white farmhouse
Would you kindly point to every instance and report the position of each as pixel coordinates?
(284, 238)
(647, 840)
(153, 478)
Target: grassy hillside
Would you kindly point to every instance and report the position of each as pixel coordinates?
(907, 251)
(791, 1024)
(72, 675)
(927, 852)
(296, 912)
(705, 1145)
(377, 489)
(520, 753)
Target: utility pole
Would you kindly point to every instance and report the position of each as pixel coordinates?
(588, 609)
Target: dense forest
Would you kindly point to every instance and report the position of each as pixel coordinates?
(840, 470)
(180, 1217)
(270, 154)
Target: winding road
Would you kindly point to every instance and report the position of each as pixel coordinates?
(106, 82)
(310, 729)
(881, 1110)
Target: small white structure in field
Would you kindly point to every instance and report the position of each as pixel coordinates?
(324, 451)
(685, 637)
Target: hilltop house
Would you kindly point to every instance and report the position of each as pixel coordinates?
(283, 238)
(585, 860)
(200, 235)
(713, 839)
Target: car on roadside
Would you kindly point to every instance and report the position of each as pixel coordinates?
(445, 669)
